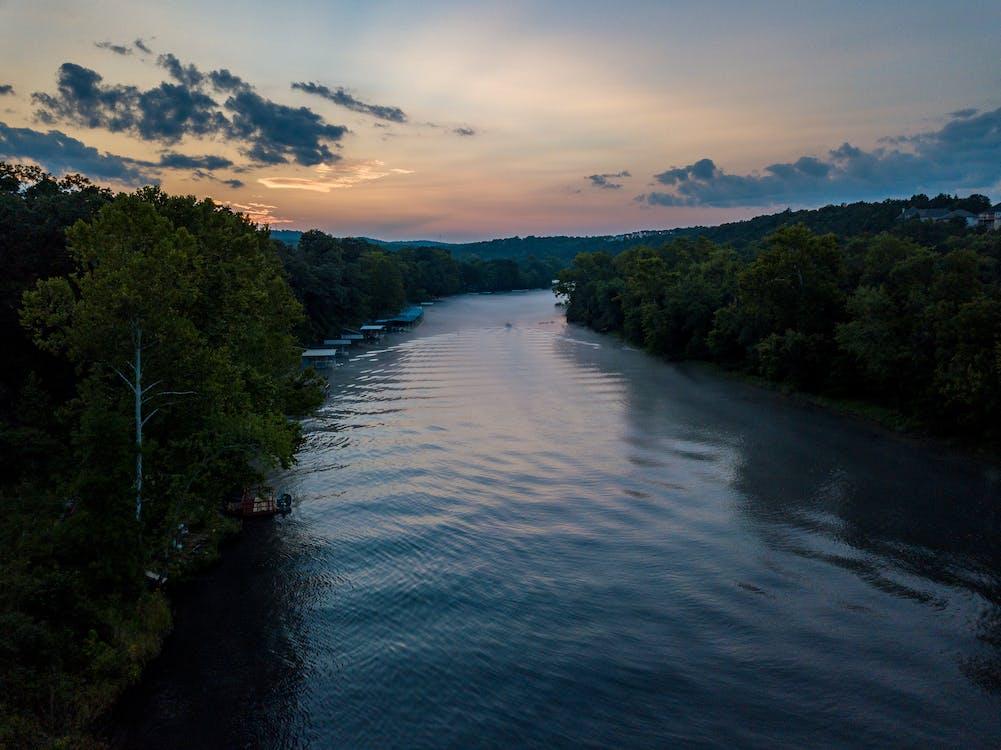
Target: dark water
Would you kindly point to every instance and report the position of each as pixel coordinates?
(533, 536)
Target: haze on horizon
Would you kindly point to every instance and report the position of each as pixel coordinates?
(442, 120)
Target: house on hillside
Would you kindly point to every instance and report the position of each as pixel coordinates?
(940, 214)
(991, 219)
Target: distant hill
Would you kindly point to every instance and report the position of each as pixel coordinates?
(288, 236)
(396, 244)
(846, 219)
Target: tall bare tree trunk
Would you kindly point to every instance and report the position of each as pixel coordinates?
(137, 337)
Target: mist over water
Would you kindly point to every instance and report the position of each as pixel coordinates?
(533, 535)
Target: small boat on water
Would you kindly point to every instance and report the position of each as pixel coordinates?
(258, 502)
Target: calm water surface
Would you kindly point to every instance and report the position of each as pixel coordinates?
(534, 536)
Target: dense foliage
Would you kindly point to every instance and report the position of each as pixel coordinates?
(341, 282)
(95, 285)
(844, 220)
(883, 319)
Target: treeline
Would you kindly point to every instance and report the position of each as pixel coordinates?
(883, 319)
(862, 218)
(344, 281)
(150, 367)
(844, 220)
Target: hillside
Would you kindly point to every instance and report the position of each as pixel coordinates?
(851, 219)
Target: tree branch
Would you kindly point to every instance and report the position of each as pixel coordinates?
(127, 382)
(151, 386)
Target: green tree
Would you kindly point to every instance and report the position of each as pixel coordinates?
(124, 312)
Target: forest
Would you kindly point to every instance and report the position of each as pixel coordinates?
(151, 368)
(842, 219)
(905, 322)
(341, 281)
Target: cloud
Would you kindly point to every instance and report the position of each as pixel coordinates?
(140, 45)
(270, 133)
(223, 80)
(6, 89)
(59, 153)
(200, 174)
(169, 112)
(164, 113)
(189, 75)
(118, 49)
(342, 98)
(339, 177)
(259, 213)
(965, 154)
(173, 160)
(464, 131)
(277, 131)
(82, 99)
(962, 114)
(606, 181)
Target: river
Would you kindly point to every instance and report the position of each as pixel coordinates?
(510, 532)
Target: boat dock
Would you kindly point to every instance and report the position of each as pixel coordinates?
(323, 356)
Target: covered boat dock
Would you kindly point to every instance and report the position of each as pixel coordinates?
(319, 358)
(373, 331)
(341, 345)
(405, 319)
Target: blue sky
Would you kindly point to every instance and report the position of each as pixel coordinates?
(463, 120)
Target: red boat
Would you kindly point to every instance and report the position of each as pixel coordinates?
(256, 502)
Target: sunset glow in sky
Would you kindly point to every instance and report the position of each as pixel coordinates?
(459, 121)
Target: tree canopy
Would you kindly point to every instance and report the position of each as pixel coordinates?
(884, 318)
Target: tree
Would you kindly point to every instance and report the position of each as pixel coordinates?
(124, 311)
(383, 283)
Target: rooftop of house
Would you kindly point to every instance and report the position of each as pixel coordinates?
(938, 213)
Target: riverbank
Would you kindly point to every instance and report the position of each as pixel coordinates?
(869, 413)
(202, 552)
(871, 319)
(139, 630)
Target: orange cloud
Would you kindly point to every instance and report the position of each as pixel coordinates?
(337, 177)
(259, 213)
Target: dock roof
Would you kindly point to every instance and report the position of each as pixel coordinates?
(336, 342)
(407, 315)
(319, 353)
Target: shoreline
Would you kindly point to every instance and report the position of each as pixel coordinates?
(154, 622)
(888, 420)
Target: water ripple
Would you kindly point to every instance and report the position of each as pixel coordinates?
(536, 537)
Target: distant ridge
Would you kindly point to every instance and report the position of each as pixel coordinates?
(288, 236)
(845, 219)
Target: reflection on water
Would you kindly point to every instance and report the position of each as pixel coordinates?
(535, 536)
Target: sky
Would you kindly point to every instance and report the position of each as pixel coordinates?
(459, 121)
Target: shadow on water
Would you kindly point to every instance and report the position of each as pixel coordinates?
(232, 669)
(897, 513)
